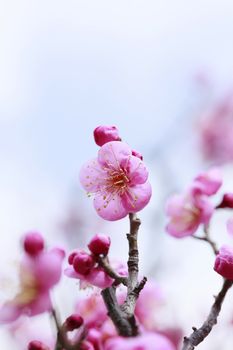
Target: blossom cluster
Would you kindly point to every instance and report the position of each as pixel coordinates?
(118, 180)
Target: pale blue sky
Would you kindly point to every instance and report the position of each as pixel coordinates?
(67, 66)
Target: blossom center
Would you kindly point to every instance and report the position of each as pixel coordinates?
(117, 181)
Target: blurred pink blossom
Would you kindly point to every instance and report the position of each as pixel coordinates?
(38, 275)
(216, 130)
(186, 212)
(118, 181)
(150, 298)
(146, 341)
(209, 181)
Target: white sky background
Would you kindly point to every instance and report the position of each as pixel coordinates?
(67, 66)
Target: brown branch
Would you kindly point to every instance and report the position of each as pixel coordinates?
(133, 259)
(123, 316)
(62, 342)
(200, 334)
(103, 262)
(206, 238)
(121, 323)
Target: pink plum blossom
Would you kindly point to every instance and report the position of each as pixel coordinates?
(150, 298)
(104, 134)
(216, 130)
(38, 275)
(209, 182)
(118, 181)
(187, 211)
(224, 262)
(92, 309)
(146, 341)
(96, 277)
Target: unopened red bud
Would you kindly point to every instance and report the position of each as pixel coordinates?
(99, 244)
(37, 345)
(74, 321)
(137, 154)
(71, 257)
(227, 201)
(104, 134)
(83, 262)
(86, 345)
(224, 262)
(33, 243)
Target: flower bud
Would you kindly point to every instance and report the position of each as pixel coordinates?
(137, 154)
(224, 262)
(74, 321)
(83, 262)
(71, 257)
(33, 243)
(99, 244)
(227, 201)
(37, 345)
(104, 134)
(86, 345)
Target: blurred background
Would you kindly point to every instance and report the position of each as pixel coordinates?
(160, 71)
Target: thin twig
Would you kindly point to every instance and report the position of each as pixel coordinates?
(110, 271)
(200, 334)
(206, 238)
(62, 342)
(123, 316)
(133, 259)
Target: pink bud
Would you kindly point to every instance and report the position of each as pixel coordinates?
(83, 262)
(37, 345)
(99, 244)
(104, 134)
(227, 201)
(224, 262)
(71, 257)
(137, 154)
(33, 243)
(86, 345)
(73, 322)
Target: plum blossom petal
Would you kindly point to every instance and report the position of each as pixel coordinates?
(41, 304)
(230, 226)
(96, 277)
(135, 169)
(146, 341)
(9, 313)
(91, 176)
(137, 197)
(148, 303)
(112, 153)
(92, 309)
(110, 207)
(48, 265)
(209, 182)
